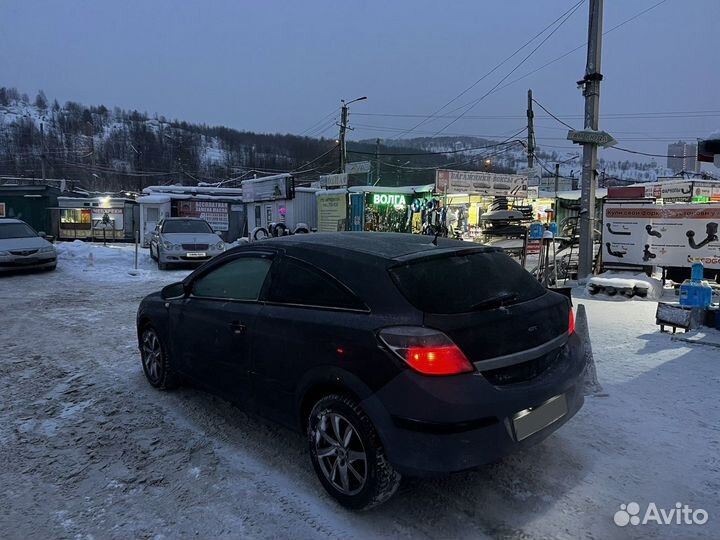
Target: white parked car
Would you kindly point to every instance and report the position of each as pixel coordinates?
(22, 247)
(184, 241)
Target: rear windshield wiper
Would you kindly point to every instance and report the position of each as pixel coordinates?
(495, 302)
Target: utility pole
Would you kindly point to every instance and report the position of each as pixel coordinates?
(137, 168)
(42, 153)
(591, 91)
(377, 160)
(531, 131)
(557, 177)
(341, 138)
(343, 130)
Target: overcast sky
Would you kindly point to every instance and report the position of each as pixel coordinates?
(283, 66)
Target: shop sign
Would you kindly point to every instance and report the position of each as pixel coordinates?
(334, 180)
(332, 213)
(661, 235)
(271, 188)
(481, 183)
(215, 213)
(389, 199)
(672, 191)
(357, 167)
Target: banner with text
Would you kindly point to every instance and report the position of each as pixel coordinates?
(655, 235)
(481, 183)
(215, 213)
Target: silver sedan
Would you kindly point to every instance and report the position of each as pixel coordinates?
(21, 247)
(184, 241)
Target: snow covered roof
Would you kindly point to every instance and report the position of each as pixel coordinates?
(405, 190)
(267, 178)
(205, 190)
(153, 199)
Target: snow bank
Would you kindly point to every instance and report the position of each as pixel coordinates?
(627, 280)
(111, 263)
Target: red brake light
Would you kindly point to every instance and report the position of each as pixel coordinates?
(442, 360)
(571, 325)
(426, 350)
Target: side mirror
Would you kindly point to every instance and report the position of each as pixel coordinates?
(42, 234)
(219, 233)
(174, 290)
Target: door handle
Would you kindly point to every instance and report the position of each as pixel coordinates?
(237, 327)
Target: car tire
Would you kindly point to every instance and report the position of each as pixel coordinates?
(347, 454)
(155, 360)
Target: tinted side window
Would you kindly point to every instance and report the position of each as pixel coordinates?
(239, 279)
(299, 283)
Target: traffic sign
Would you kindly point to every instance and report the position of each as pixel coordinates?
(590, 136)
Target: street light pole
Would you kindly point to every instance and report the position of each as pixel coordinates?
(343, 130)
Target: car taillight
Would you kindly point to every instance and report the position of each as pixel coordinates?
(426, 350)
(571, 324)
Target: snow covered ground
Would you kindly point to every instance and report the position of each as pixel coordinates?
(89, 450)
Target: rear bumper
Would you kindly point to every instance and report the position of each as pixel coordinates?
(443, 425)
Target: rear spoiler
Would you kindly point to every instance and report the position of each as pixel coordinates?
(427, 255)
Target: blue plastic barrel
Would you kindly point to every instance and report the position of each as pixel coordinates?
(536, 231)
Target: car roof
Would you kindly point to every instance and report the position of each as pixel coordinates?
(388, 246)
(176, 218)
(11, 220)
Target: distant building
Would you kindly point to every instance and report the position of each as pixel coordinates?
(682, 156)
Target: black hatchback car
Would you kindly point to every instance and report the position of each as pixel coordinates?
(395, 355)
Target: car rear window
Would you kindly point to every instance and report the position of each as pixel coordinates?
(460, 283)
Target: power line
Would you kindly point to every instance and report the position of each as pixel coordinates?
(439, 153)
(324, 119)
(315, 159)
(473, 104)
(498, 66)
(551, 114)
(643, 153)
(630, 115)
(583, 45)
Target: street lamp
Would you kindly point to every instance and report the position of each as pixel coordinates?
(343, 128)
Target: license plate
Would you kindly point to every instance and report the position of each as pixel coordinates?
(531, 421)
(195, 255)
(26, 261)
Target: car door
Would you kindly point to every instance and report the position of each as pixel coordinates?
(215, 324)
(309, 319)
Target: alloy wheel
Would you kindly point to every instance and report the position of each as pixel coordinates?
(152, 356)
(340, 453)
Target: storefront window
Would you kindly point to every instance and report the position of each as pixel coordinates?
(75, 215)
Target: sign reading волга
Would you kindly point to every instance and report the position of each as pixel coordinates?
(481, 183)
(653, 235)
